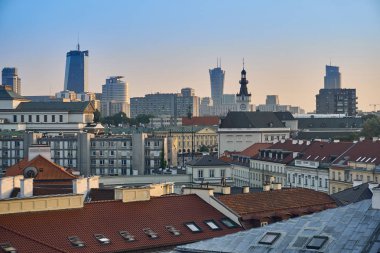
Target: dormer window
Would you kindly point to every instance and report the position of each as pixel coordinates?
(102, 239)
(149, 232)
(127, 236)
(173, 230)
(76, 242)
(8, 248)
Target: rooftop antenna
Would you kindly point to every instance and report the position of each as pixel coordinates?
(78, 47)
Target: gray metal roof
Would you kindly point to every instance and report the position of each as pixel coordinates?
(54, 106)
(251, 120)
(351, 228)
(352, 195)
(6, 94)
(208, 160)
(284, 116)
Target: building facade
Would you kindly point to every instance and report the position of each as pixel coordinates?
(336, 101)
(115, 97)
(217, 84)
(76, 74)
(9, 76)
(332, 77)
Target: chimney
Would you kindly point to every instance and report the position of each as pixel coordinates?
(80, 186)
(357, 182)
(361, 138)
(133, 194)
(376, 198)
(26, 187)
(6, 187)
(308, 143)
(93, 182)
(16, 181)
(266, 187)
(245, 189)
(204, 193)
(294, 142)
(300, 142)
(372, 185)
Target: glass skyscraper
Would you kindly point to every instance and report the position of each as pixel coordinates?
(76, 70)
(10, 77)
(332, 77)
(217, 84)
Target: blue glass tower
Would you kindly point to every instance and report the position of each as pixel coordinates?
(217, 83)
(76, 70)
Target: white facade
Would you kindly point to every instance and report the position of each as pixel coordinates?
(209, 174)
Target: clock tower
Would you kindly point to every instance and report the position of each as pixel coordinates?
(243, 98)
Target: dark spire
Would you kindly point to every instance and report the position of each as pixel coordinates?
(243, 83)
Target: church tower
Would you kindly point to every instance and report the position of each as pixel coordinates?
(243, 98)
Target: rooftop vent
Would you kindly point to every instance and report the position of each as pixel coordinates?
(102, 239)
(76, 242)
(8, 248)
(150, 233)
(173, 230)
(127, 236)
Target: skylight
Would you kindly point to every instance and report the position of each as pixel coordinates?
(76, 242)
(269, 238)
(229, 223)
(323, 158)
(7, 247)
(363, 159)
(173, 230)
(193, 227)
(308, 157)
(368, 159)
(373, 159)
(127, 236)
(316, 157)
(102, 239)
(212, 224)
(149, 232)
(317, 242)
(357, 160)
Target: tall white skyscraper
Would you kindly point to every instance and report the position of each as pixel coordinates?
(115, 97)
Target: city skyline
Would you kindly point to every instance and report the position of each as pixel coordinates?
(165, 46)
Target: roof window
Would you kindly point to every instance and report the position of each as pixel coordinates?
(173, 230)
(317, 242)
(8, 248)
(127, 236)
(212, 225)
(269, 238)
(229, 223)
(150, 233)
(193, 227)
(76, 242)
(102, 239)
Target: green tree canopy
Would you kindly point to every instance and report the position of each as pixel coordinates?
(371, 127)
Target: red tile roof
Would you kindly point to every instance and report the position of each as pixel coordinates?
(254, 149)
(47, 170)
(267, 203)
(363, 151)
(325, 152)
(201, 121)
(288, 145)
(51, 228)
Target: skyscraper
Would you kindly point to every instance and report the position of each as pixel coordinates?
(217, 83)
(332, 77)
(10, 77)
(115, 97)
(76, 70)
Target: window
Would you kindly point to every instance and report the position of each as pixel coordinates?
(212, 225)
(14, 118)
(37, 118)
(124, 162)
(326, 183)
(200, 173)
(45, 118)
(101, 162)
(102, 239)
(173, 230)
(317, 242)
(52, 118)
(30, 118)
(269, 238)
(22, 118)
(76, 242)
(193, 227)
(212, 173)
(111, 162)
(149, 232)
(60, 118)
(229, 223)
(112, 153)
(127, 236)
(368, 178)
(320, 182)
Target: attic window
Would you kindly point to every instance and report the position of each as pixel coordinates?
(102, 239)
(212, 225)
(76, 242)
(173, 230)
(229, 223)
(269, 238)
(317, 242)
(149, 232)
(193, 227)
(7, 247)
(127, 236)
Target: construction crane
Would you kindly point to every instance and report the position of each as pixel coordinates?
(374, 107)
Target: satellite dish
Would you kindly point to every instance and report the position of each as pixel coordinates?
(30, 172)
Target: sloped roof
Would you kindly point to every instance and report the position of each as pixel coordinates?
(201, 121)
(284, 116)
(346, 122)
(52, 228)
(207, 160)
(8, 94)
(254, 149)
(351, 228)
(363, 151)
(55, 107)
(251, 120)
(325, 152)
(352, 195)
(261, 204)
(47, 170)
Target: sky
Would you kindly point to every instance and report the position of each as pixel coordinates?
(165, 45)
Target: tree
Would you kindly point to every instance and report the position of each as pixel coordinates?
(97, 116)
(203, 148)
(143, 118)
(371, 127)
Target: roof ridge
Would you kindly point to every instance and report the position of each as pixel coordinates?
(33, 239)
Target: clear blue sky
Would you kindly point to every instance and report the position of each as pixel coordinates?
(162, 45)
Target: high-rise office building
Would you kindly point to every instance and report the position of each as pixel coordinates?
(10, 77)
(272, 100)
(115, 97)
(217, 83)
(336, 101)
(332, 77)
(76, 76)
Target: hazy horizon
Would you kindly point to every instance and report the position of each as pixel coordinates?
(163, 46)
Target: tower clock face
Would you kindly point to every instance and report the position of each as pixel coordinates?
(243, 107)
